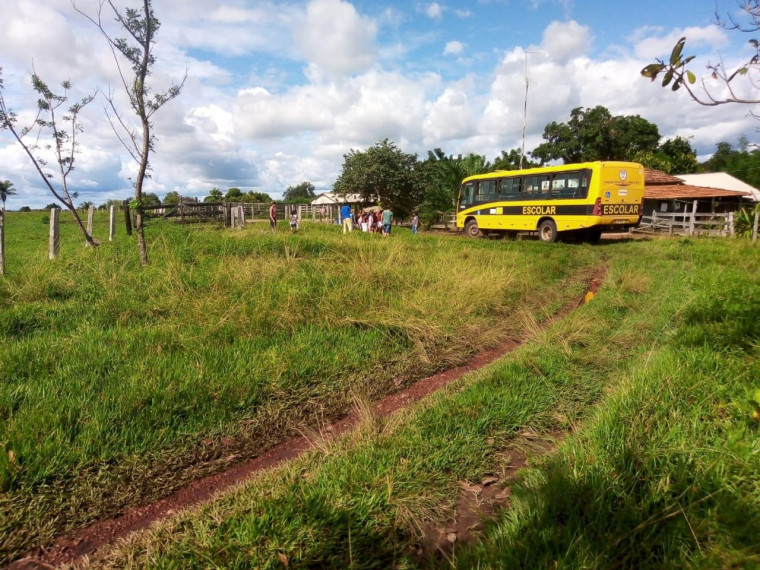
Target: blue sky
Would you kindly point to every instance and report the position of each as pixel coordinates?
(278, 92)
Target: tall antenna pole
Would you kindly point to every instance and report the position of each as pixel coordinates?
(525, 110)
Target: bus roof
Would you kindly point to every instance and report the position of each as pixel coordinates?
(557, 168)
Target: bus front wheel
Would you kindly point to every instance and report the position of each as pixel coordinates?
(547, 231)
(472, 230)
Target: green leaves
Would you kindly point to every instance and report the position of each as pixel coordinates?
(675, 55)
(652, 70)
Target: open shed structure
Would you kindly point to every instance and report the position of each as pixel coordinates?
(675, 207)
(665, 193)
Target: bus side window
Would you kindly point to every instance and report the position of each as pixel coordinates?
(487, 191)
(510, 188)
(537, 187)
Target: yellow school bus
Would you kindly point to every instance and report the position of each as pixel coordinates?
(582, 199)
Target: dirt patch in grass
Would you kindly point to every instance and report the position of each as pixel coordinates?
(476, 501)
(480, 501)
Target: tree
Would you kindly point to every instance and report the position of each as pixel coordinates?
(64, 146)
(214, 196)
(440, 176)
(84, 206)
(674, 156)
(233, 195)
(383, 172)
(741, 162)
(51, 206)
(151, 199)
(303, 192)
(256, 197)
(141, 27)
(172, 198)
(594, 134)
(6, 189)
(511, 161)
(676, 74)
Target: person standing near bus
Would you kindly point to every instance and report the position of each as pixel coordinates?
(273, 217)
(346, 218)
(387, 221)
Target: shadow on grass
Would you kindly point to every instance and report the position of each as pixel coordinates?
(636, 513)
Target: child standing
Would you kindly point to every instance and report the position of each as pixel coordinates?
(415, 222)
(294, 222)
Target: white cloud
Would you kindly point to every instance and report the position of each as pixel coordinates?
(652, 46)
(336, 38)
(453, 48)
(564, 41)
(434, 11)
(259, 114)
(452, 115)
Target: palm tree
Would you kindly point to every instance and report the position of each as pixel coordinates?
(6, 189)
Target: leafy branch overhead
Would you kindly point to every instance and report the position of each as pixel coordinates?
(724, 89)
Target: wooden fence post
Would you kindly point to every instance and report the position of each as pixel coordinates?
(127, 218)
(241, 215)
(112, 223)
(2, 241)
(730, 224)
(754, 227)
(692, 218)
(90, 216)
(227, 213)
(55, 240)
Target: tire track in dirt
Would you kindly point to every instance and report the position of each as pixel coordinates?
(70, 549)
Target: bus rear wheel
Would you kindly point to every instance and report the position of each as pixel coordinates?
(472, 230)
(547, 231)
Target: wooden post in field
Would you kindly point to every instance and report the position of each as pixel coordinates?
(241, 215)
(670, 227)
(90, 216)
(692, 218)
(127, 219)
(2, 241)
(55, 240)
(754, 227)
(112, 223)
(730, 224)
(227, 213)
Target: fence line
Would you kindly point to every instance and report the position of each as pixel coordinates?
(688, 223)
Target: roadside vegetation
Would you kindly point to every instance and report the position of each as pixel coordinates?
(645, 392)
(120, 383)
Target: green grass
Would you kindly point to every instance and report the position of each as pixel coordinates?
(120, 383)
(657, 468)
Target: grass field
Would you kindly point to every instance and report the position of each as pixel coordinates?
(121, 383)
(647, 390)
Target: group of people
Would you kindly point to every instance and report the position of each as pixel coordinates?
(371, 220)
(374, 220)
(294, 221)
